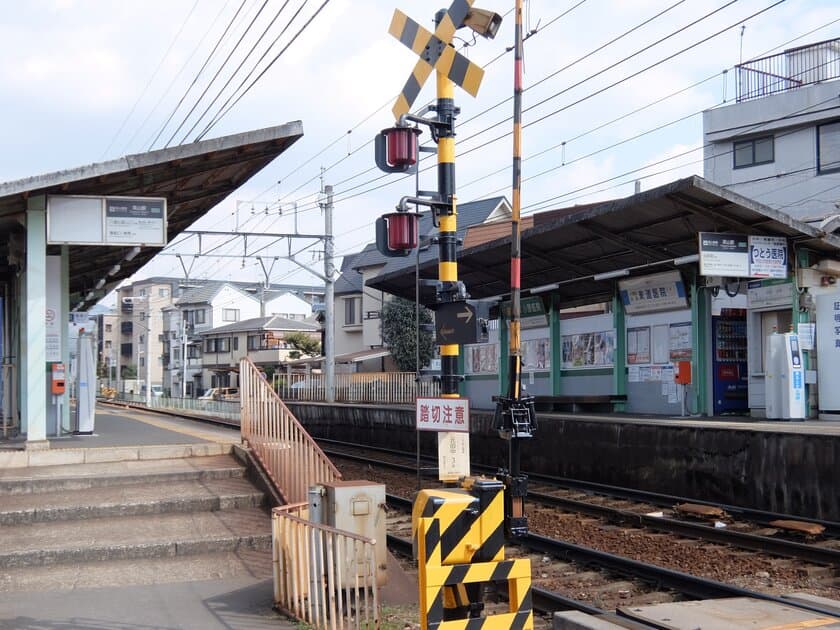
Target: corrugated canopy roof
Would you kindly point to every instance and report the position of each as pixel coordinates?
(193, 177)
(643, 233)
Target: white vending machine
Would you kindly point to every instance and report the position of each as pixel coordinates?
(784, 375)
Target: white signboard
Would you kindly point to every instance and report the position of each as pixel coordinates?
(443, 414)
(768, 293)
(828, 350)
(53, 324)
(739, 256)
(119, 221)
(768, 257)
(724, 255)
(649, 294)
(453, 456)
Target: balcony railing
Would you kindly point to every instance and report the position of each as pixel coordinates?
(788, 70)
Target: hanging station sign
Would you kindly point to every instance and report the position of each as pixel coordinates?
(118, 221)
(650, 294)
(742, 256)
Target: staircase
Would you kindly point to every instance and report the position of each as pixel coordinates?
(131, 523)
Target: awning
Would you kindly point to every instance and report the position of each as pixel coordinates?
(193, 177)
(643, 233)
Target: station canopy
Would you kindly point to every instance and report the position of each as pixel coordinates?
(643, 233)
(192, 177)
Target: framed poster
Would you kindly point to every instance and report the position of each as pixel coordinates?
(638, 345)
(588, 350)
(680, 341)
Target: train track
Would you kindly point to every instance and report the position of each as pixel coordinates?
(760, 543)
(691, 586)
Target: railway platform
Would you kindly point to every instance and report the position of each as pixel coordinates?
(784, 467)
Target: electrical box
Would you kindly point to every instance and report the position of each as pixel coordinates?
(784, 375)
(682, 375)
(358, 507)
(57, 379)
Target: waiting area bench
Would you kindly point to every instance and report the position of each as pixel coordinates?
(578, 403)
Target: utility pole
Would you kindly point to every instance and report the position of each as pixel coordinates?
(515, 414)
(329, 295)
(183, 355)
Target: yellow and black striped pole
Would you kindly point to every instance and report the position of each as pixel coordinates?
(447, 241)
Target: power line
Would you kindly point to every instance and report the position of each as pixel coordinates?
(245, 58)
(266, 69)
(151, 79)
(198, 74)
(218, 72)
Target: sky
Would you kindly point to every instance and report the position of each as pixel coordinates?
(614, 91)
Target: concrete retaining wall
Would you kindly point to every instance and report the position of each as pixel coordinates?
(782, 472)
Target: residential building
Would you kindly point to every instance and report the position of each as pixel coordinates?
(261, 339)
(141, 331)
(779, 143)
(358, 307)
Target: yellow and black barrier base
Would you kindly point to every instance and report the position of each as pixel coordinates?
(459, 540)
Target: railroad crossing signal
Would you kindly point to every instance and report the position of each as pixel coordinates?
(435, 53)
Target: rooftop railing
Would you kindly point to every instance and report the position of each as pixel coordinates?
(789, 70)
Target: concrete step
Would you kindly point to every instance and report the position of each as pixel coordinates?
(196, 495)
(252, 563)
(38, 479)
(134, 537)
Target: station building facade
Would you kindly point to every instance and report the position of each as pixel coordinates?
(614, 300)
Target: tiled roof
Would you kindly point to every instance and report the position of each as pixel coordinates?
(272, 322)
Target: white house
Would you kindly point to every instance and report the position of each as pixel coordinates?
(358, 307)
(779, 143)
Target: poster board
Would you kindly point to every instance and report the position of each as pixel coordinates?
(638, 345)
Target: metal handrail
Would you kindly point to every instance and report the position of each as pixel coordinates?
(323, 576)
(290, 456)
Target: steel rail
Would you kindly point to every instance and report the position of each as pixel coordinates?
(543, 601)
(762, 517)
(691, 585)
(753, 542)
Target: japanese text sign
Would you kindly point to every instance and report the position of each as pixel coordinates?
(443, 414)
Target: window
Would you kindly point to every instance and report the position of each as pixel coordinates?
(193, 352)
(107, 328)
(163, 292)
(255, 342)
(230, 314)
(236, 343)
(828, 148)
(142, 292)
(199, 316)
(176, 354)
(753, 152)
(350, 310)
(141, 339)
(217, 345)
(142, 361)
(142, 316)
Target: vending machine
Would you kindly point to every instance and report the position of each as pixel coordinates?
(729, 362)
(784, 377)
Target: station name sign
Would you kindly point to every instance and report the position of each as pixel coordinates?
(742, 256)
(117, 221)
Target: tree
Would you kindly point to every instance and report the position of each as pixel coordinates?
(302, 344)
(399, 334)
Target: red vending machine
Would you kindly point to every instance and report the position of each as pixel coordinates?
(729, 362)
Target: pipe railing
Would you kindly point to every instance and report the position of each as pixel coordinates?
(323, 576)
(291, 458)
(363, 387)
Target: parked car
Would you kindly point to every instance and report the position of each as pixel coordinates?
(220, 393)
